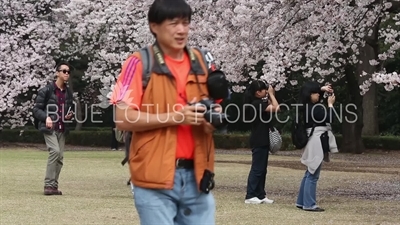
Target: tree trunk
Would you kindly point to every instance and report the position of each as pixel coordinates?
(352, 128)
(366, 112)
(370, 111)
(353, 120)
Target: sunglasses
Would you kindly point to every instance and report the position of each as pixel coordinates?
(64, 71)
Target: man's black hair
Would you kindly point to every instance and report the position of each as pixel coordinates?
(58, 66)
(162, 10)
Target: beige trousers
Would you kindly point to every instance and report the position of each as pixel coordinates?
(55, 145)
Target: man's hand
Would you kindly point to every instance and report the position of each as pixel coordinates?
(190, 115)
(69, 116)
(49, 123)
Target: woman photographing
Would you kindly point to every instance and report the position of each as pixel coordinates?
(259, 113)
(317, 119)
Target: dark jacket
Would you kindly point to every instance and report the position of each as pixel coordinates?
(260, 124)
(43, 109)
(318, 115)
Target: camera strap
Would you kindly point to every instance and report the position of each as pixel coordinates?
(161, 67)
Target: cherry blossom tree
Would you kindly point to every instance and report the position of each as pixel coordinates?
(314, 37)
(329, 41)
(326, 40)
(27, 41)
(106, 32)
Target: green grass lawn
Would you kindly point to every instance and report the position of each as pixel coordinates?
(362, 189)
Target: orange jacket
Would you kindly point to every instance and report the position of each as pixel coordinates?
(152, 153)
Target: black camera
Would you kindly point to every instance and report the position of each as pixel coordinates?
(207, 182)
(217, 119)
(218, 88)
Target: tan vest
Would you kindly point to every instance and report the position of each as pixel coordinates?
(152, 153)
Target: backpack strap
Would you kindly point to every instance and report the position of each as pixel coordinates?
(147, 64)
(147, 57)
(195, 64)
(207, 58)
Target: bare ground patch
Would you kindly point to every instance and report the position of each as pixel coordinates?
(374, 175)
(332, 166)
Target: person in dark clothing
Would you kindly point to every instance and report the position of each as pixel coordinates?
(259, 113)
(114, 141)
(53, 107)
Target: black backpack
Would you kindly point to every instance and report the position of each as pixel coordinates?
(299, 133)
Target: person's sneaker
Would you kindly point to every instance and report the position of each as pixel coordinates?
(113, 149)
(56, 191)
(254, 200)
(314, 209)
(51, 191)
(48, 191)
(267, 200)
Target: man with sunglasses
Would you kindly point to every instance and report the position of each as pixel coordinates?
(53, 108)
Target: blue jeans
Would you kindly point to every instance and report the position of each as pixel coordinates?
(258, 173)
(183, 205)
(307, 197)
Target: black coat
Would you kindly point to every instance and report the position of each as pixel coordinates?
(43, 109)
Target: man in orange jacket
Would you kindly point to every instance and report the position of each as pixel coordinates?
(171, 156)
